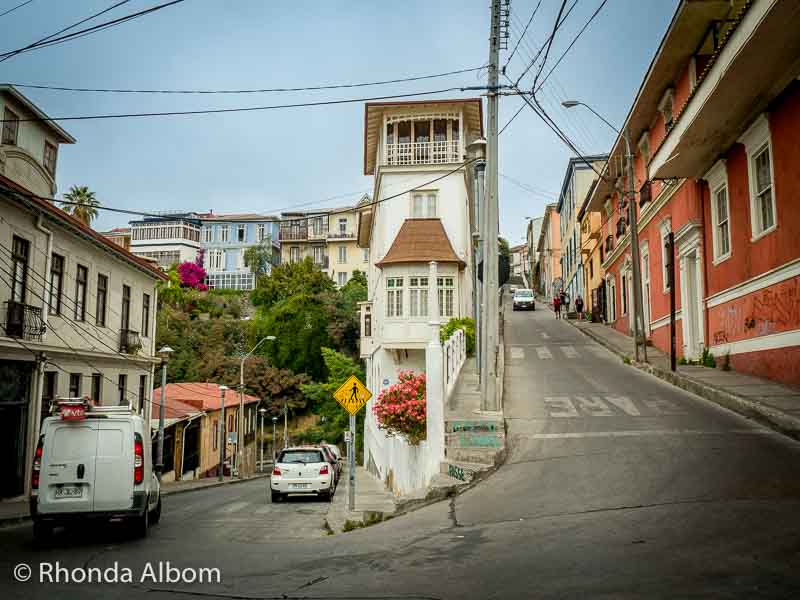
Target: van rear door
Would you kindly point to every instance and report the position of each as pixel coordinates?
(66, 480)
(114, 466)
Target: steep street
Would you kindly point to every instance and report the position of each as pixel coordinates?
(615, 483)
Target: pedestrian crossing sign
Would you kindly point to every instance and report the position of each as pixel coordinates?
(352, 395)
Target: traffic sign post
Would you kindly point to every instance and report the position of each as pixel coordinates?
(352, 395)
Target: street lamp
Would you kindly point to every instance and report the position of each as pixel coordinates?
(262, 411)
(240, 435)
(222, 390)
(164, 353)
(630, 194)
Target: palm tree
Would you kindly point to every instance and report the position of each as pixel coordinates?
(85, 204)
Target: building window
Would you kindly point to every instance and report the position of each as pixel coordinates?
(666, 227)
(97, 387)
(56, 283)
(644, 151)
(215, 435)
(665, 107)
(341, 278)
(758, 146)
(142, 391)
(261, 231)
(446, 296)
(81, 279)
(102, 299)
(215, 259)
(224, 233)
(611, 304)
(10, 127)
(343, 226)
(125, 317)
(418, 296)
(74, 385)
(720, 211)
(624, 284)
(122, 385)
(423, 205)
(367, 321)
(20, 251)
(365, 253)
(145, 315)
(319, 254)
(342, 255)
(591, 267)
(294, 254)
(49, 393)
(208, 234)
(49, 158)
(241, 233)
(394, 297)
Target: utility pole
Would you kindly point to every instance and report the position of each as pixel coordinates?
(490, 221)
(638, 318)
(222, 390)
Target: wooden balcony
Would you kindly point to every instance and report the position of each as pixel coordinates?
(422, 153)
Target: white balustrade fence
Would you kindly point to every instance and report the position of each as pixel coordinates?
(422, 153)
(455, 354)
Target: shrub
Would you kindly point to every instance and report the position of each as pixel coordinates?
(400, 408)
(726, 362)
(192, 275)
(467, 324)
(707, 359)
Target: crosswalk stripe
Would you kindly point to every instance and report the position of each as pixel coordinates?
(545, 336)
(233, 507)
(569, 352)
(543, 352)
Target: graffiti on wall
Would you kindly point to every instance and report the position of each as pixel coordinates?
(764, 312)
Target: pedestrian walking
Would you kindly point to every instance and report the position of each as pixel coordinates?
(564, 301)
(557, 306)
(579, 306)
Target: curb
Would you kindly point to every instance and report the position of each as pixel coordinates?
(18, 520)
(774, 419)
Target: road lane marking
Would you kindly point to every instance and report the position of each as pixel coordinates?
(569, 352)
(595, 406)
(645, 433)
(543, 353)
(233, 507)
(517, 353)
(545, 336)
(561, 407)
(603, 406)
(625, 404)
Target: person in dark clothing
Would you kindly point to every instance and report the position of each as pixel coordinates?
(579, 306)
(564, 301)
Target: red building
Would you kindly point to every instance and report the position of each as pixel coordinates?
(716, 125)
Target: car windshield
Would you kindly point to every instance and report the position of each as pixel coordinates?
(301, 456)
(523, 294)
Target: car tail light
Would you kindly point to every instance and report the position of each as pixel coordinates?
(37, 464)
(276, 471)
(138, 460)
(323, 470)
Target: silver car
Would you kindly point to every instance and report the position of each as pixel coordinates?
(302, 470)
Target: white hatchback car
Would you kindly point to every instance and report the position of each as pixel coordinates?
(302, 470)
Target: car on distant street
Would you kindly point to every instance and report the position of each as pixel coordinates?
(302, 470)
(523, 300)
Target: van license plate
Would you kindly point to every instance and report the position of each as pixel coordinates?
(69, 492)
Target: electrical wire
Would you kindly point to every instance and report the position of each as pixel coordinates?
(247, 91)
(549, 43)
(522, 35)
(51, 41)
(6, 55)
(236, 110)
(12, 9)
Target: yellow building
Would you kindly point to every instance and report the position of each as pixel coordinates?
(592, 257)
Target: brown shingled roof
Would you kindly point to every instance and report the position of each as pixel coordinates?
(421, 240)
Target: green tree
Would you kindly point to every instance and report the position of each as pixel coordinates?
(288, 280)
(505, 249)
(85, 204)
(344, 315)
(259, 258)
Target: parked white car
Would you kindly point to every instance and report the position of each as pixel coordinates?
(302, 470)
(93, 463)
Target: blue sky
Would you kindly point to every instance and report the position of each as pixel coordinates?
(268, 161)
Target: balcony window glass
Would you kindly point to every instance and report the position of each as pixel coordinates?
(446, 296)
(394, 297)
(418, 296)
(342, 225)
(319, 254)
(49, 158)
(440, 130)
(403, 132)
(19, 272)
(56, 283)
(456, 132)
(422, 131)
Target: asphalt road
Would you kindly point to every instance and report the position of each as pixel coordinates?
(616, 486)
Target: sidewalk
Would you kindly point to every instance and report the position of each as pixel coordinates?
(373, 501)
(18, 511)
(772, 404)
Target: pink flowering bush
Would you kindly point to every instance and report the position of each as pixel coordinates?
(192, 275)
(400, 408)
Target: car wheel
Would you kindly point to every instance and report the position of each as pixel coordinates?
(275, 497)
(42, 532)
(155, 515)
(140, 524)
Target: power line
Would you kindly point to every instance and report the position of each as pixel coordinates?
(522, 35)
(43, 40)
(246, 91)
(51, 41)
(549, 43)
(236, 110)
(548, 40)
(558, 62)
(12, 9)
(529, 188)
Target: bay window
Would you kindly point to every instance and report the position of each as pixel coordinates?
(394, 297)
(418, 296)
(446, 296)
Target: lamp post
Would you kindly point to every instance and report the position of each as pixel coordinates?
(274, 421)
(222, 390)
(262, 411)
(164, 354)
(478, 149)
(240, 435)
(630, 194)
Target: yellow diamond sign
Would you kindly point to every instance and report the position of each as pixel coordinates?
(352, 395)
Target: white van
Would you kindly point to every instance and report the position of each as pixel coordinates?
(93, 463)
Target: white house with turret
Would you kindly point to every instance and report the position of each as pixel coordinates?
(417, 229)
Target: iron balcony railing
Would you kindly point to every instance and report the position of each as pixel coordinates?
(341, 235)
(293, 234)
(23, 321)
(423, 153)
(130, 342)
